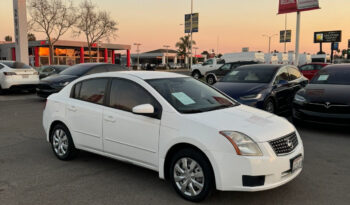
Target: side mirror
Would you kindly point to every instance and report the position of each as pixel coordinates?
(282, 83)
(143, 109)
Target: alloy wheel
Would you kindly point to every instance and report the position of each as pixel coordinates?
(60, 142)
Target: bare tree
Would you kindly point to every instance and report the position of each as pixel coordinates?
(95, 25)
(52, 17)
(8, 38)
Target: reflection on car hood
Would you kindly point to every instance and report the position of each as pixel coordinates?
(321, 93)
(58, 78)
(261, 126)
(236, 90)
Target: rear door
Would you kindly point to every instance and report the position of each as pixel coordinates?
(84, 113)
(307, 71)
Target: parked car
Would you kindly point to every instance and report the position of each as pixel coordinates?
(213, 76)
(268, 87)
(327, 98)
(17, 75)
(199, 70)
(48, 70)
(311, 69)
(193, 135)
(55, 83)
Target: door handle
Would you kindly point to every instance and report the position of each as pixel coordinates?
(72, 108)
(109, 118)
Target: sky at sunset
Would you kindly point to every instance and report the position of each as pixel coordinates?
(226, 24)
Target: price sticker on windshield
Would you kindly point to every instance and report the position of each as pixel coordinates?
(323, 77)
(183, 98)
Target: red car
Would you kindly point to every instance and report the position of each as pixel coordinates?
(311, 69)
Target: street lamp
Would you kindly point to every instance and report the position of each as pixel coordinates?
(269, 36)
(138, 54)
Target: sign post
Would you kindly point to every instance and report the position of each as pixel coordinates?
(290, 6)
(20, 25)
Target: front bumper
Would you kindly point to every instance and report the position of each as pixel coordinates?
(320, 117)
(276, 170)
(45, 90)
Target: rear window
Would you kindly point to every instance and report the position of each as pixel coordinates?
(16, 65)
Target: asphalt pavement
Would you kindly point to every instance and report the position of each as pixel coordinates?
(31, 174)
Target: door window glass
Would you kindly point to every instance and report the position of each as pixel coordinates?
(93, 90)
(306, 67)
(226, 67)
(293, 73)
(126, 94)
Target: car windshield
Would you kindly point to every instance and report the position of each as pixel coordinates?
(336, 76)
(251, 74)
(16, 65)
(188, 95)
(77, 70)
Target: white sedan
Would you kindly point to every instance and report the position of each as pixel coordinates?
(18, 75)
(192, 134)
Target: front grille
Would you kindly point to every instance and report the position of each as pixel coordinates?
(331, 108)
(285, 145)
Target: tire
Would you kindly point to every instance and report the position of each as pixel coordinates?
(199, 178)
(211, 80)
(196, 74)
(270, 106)
(61, 143)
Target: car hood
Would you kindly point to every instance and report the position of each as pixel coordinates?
(259, 125)
(58, 78)
(321, 93)
(236, 90)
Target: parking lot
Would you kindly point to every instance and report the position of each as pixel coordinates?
(31, 174)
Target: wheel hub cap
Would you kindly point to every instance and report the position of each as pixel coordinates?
(60, 142)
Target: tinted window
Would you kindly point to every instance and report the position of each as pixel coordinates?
(209, 62)
(93, 90)
(250, 74)
(1, 66)
(337, 76)
(307, 68)
(125, 95)
(318, 67)
(97, 69)
(282, 75)
(293, 73)
(188, 95)
(76, 90)
(226, 67)
(77, 70)
(16, 64)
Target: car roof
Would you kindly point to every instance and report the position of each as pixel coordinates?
(145, 75)
(337, 66)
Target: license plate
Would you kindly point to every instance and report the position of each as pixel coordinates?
(296, 163)
(25, 76)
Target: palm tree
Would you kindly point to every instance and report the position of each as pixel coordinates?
(184, 45)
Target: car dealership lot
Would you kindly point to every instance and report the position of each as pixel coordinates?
(31, 174)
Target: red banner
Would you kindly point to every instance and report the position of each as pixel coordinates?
(290, 6)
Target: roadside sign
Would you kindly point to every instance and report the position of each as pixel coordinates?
(335, 46)
(327, 36)
(290, 6)
(286, 38)
(245, 49)
(195, 22)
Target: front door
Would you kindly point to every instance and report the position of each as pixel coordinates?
(282, 91)
(126, 134)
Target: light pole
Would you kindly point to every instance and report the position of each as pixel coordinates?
(270, 37)
(138, 54)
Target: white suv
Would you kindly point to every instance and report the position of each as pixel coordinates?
(18, 75)
(193, 135)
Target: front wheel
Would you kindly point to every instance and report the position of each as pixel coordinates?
(62, 143)
(269, 106)
(211, 80)
(196, 74)
(191, 175)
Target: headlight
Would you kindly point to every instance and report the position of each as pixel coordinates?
(243, 144)
(251, 97)
(63, 84)
(299, 98)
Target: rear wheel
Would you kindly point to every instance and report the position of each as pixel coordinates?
(211, 80)
(62, 143)
(191, 175)
(196, 74)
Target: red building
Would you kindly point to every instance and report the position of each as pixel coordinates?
(66, 52)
